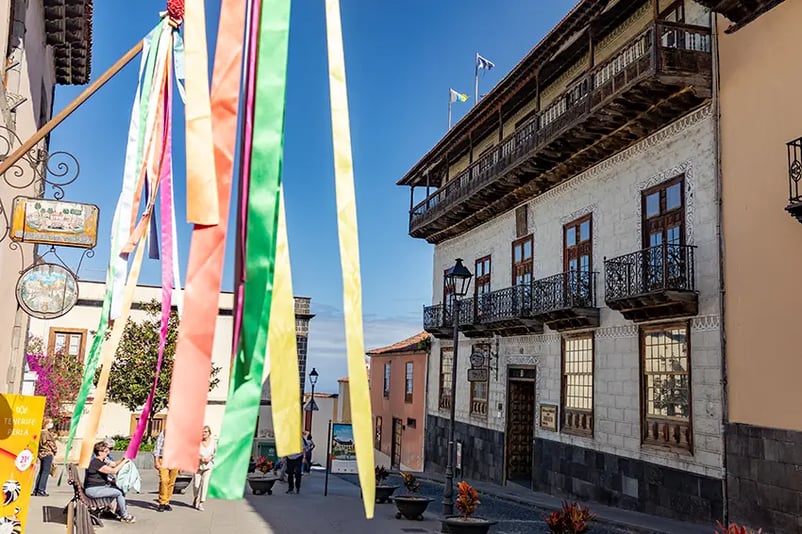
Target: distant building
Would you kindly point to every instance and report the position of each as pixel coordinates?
(318, 424)
(398, 399)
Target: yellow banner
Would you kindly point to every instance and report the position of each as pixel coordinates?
(282, 349)
(361, 416)
(20, 426)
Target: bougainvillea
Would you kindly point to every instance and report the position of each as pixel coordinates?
(59, 377)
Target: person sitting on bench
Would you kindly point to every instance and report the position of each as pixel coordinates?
(97, 481)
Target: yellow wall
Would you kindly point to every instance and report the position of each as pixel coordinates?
(761, 110)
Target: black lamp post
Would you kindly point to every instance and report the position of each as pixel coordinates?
(312, 405)
(457, 281)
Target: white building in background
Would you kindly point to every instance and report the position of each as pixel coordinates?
(43, 47)
(72, 333)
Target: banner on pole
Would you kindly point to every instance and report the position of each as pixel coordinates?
(20, 424)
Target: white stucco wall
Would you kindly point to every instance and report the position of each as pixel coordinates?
(612, 192)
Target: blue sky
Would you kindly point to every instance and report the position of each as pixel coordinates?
(401, 59)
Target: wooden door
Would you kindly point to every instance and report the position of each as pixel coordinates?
(520, 429)
(663, 210)
(578, 261)
(396, 447)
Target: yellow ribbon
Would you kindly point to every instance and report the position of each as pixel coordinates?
(285, 390)
(202, 201)
(107, 356)
(361, 416)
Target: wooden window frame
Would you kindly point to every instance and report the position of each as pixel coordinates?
(513, 263)
(158, 424)
(577, 223)
(662, 188)
(54, 330)
(577, 421)
(646, 419)
(478, 407)
(672, 7)
(377, 433)
(443, 399)
(481, 281)
(388, 370)
(409, 381)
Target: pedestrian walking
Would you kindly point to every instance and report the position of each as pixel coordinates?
(308, 448)
(166, 476)
(47, 451)
(200, 483)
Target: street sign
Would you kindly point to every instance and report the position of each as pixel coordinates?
(311, 406)
(478, 375)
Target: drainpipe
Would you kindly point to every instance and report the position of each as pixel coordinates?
(721, 253)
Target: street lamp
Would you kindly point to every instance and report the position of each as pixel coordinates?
(312, 405)
(457, 281)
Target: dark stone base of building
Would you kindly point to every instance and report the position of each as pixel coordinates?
(482, 449)
(764, 478)
(585, 474)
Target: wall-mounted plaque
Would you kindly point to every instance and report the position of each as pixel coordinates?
(54, 222)
(47, 291)
(548, 417)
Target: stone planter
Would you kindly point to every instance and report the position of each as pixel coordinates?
(411, 506)
(182, 482)
(383, 493)
(261, 484)
(472, 525)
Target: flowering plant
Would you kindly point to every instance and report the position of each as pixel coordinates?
(58, 377)
(381, 474)
(410, 482)
(263, 464)
(571, 518)
(467, 499)
(734, 528)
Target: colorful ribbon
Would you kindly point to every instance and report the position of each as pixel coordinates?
(361, 416)
(202, 200)
(116, 265)
(193, 358)
(242, 407)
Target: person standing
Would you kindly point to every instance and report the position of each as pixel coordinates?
(200, 483)
(294, 465)
(47, 451)
(166, 476)
(309, 446)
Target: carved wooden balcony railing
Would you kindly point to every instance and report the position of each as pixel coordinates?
(655, 78)
(794, 206)
(578, 421)
(445, 402)
(567, 300)
(653, 283)
(668, 432)
(479, 408)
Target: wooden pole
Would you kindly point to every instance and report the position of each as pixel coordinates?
(42, 132)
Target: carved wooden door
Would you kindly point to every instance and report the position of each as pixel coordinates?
(397, 433)
(520, 429)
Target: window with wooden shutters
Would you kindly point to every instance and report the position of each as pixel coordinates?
(665, 364)
(577, 384)
(408, 383)
(479, 389)
(663, 208)
(67, 341)
(521, 223)
(446, 362)
(578, 258)
(481, 284)
(522, 261)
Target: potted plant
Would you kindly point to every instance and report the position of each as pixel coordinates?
(465, 523)
(383, 491)
(411, 505)
(569, 519)
(261, 481)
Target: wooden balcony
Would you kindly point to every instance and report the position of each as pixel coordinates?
(566, 301)
(653, 283)
(740, 12)
(653, 80)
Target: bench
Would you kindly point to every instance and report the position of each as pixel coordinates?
(84, 509)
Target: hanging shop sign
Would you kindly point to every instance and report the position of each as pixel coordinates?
(54, 222)
(47, 291)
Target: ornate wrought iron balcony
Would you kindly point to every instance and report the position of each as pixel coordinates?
(567, 300)
(437, 321)
(654, 79)
(653, 283)
(507, 312)
(794, 206)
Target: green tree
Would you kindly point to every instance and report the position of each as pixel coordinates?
(135, 363)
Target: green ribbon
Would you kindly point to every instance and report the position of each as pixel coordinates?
(245, 390)
(92, 359)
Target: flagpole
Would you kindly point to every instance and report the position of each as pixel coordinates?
(449, 109)
(476, 79)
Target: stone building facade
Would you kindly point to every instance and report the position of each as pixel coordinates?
(582, 194)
